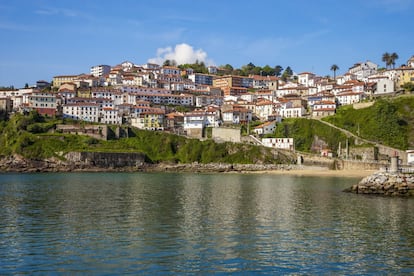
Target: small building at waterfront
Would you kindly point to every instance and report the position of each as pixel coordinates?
(410, 157)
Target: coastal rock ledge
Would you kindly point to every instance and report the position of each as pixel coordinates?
(386, 184)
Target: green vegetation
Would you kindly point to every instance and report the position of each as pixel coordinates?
(389, 122)
(309, 135)
(408, 86)
(30, 136)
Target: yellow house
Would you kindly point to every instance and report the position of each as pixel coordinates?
(59, 80)
(406, 75)
(84, 93)
(152, 119)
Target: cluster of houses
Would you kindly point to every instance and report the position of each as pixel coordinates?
(167, 98)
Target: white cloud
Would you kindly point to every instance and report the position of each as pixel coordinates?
(181, 53)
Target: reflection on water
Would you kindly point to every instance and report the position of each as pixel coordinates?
(189, 223)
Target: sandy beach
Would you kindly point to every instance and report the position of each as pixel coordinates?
(322, 172)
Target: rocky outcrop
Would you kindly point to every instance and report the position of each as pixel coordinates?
(129, 162)
(76, 161)
(385, 183)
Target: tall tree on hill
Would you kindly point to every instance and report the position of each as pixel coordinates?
(334, 68)
(169, 62)
(278, 70)
(287, 74)
(386, 57)
(393, 58)
(268, 71)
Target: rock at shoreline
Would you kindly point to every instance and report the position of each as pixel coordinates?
(122, 162)
(384, 183)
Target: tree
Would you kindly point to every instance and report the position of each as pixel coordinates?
(26, 85)
(386, 57)
(169, 62)
(393, 58)
(408, 86)
(334, 68)
(228, 69)
(287, 74)
(268, 71)
(278, 70)
(250, 69)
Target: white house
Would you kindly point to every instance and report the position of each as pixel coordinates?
(100, 70)
(363, 70)
(323, 96)
(278, 143)
(170, 70)
(194, 123)
(383, 85)
(265, 128)
(82, 111)
(263, 109)
(410, 157)
(110, 116)
(213, 116)
(323, 108)
(288, 110)
(305, 78)
(349, 97)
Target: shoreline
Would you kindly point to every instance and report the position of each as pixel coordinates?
(22, 165)
(322, 172)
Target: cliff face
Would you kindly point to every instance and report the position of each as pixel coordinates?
(387, 184)
(76, 161)
(106, 159)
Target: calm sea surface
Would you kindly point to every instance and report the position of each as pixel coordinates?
(142, 223)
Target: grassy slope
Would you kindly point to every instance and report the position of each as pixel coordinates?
(389, 122)
(304, 132)
(28, 136)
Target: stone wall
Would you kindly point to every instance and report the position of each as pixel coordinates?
(194, 132)
(105, 159)
(314, 160)
(362, 105)
(225, 134)
(94, 131)
(360, 165)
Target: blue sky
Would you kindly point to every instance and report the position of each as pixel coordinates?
(43, 38)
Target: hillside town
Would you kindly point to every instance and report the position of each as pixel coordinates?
(181, 101)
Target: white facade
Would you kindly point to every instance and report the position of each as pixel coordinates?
(264, 109)
(278, 143)
(305, 78)
(363, 70)
(82, 111)
(195, 120)
(287, 110)
(346, 98)
(410, 157)
(110, 116)
(266, 128)
(383, 85)
(100, 70)
(169, 70)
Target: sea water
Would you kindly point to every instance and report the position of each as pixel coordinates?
(184, 223)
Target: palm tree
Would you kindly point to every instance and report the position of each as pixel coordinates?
(386, 57)
(334, 68)
(393, 57)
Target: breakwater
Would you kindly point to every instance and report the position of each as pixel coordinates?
(386, 184)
